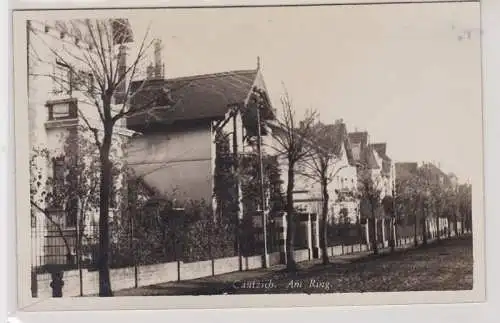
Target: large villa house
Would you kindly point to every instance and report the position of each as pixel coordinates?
(175, 150)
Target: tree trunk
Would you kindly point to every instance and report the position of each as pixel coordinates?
(105, 185)
(424, 231)
(392, 234)
(438, 227)
(449, 227)
(415, 230)
(290, 219)
(455, 224)
(323, 227)
(373, 231)
(469, 215)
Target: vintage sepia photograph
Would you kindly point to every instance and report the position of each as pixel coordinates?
(253, 150)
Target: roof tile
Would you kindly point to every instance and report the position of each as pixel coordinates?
(194, 97)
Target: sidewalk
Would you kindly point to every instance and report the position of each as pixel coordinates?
(224, 283)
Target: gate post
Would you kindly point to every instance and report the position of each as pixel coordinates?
(57, 283)
(34, 284)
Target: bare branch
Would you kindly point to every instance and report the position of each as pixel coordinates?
(99, 51)
(94, 130)
(56, 224)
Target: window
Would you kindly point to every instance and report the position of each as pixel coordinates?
(62, 78)
(59, 180)
(83, 81)
(79, 81)
(71, 212)
(62, 109)
(59, 170)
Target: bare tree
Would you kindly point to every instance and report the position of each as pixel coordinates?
(292, 138)
(411, 198)
(322, 166)
(370, 192)
(464, 200)
(431, 191)
(93, 52)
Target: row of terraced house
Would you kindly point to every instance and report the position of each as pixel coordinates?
(173, 147)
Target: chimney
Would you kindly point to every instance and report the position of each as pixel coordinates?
(150, 71)
(122, 69)
(158, 69)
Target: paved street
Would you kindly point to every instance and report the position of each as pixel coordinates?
(447, 266)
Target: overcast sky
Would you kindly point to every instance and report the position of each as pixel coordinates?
(408, 74)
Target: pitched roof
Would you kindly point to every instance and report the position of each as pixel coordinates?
(381, 149)
(194, 98)
(435, 173)
(359, 137)
(360, 140)
(340, 137)
(369, 159)
(365, 154)
(406, 169)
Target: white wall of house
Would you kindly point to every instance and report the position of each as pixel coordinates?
(377, 175)
(308, 190)
(45, 40)
(177, 162)
(346, 179)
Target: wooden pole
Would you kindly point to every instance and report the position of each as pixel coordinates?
(262, 191)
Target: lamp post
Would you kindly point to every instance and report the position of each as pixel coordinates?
(237, 189)
(262, 191)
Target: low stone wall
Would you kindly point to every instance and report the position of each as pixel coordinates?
(275, 258)
(146, 275)
(153, 274)
(302, 255)
(131, 277)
